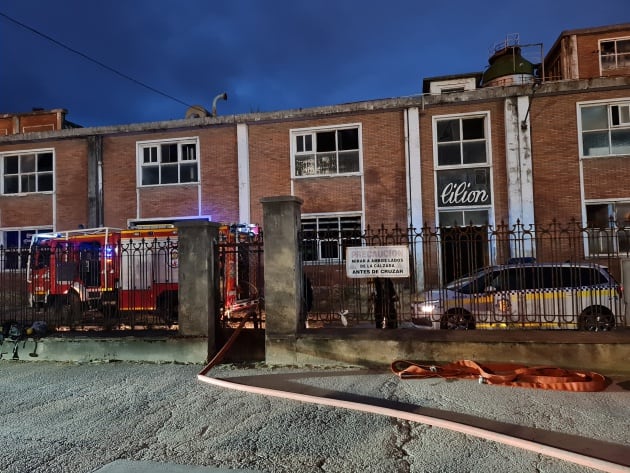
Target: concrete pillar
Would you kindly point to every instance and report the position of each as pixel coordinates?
(283, 277)
(198, 281)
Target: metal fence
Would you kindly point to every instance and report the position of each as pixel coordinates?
(241, 281)
(133, 285)
(90, 287)
(141, 293)
(440, 257)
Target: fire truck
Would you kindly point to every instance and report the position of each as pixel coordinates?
(133, 270)
(107, 269)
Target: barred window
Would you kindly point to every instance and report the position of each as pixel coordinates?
(325, 238)
(171, 162)
(14, 246)
(27, 172)
(608, 228)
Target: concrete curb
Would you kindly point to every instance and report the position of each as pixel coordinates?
(132, 348)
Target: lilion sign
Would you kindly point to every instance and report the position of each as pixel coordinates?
(463, 187)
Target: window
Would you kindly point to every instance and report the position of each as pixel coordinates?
(614, 54)
(325, 238)
(605, 129)
(27, 172)
(461, 141)
(608, 228)
(171, 162)
(15, 245)
(325, 152)
(462, 218)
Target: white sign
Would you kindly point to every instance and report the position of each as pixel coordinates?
(377, 261)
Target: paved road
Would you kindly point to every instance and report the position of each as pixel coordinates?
(68, 417)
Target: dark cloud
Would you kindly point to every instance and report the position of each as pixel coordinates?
(267, 55)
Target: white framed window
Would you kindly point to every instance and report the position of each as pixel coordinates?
(168, 162)
(604, 128)
(462, 170)
(326, 151)
(608, 227)
(15, 244)
(325, 237)
(461, 141)
(27, 172)
(614, 53)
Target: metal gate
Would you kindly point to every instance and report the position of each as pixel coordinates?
(241, 279)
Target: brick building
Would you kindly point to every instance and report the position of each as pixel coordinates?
(523, 141)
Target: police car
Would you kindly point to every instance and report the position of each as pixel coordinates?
(535, 295)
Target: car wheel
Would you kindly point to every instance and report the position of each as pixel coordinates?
(596, 319)
(458, 320)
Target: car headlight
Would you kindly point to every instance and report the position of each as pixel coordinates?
(427, 307)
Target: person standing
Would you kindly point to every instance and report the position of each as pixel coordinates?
(385, 298)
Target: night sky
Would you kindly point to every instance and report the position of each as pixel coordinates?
(130, 61)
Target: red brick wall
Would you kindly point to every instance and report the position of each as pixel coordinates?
(169, 201)
(71, 176)
(218, 175)
(383, 168)
(119, 179)
(606, 178)
(6, 126)
(588, 53)
(269, 163)
(556, 159)
(337, 194)
(26, 211)
(70, 190)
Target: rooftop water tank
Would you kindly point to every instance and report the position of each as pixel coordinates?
(508, 67)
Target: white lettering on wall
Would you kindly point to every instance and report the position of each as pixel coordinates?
(461, 194)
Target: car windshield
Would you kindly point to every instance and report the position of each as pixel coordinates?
(471, 284)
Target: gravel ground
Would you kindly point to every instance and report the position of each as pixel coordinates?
(70, 417)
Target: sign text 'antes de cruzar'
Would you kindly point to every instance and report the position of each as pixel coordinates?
(377, 261)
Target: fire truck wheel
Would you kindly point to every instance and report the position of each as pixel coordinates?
(167, 308)
(109, 311)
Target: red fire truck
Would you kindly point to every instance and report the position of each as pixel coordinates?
(105, 268)
(114, 270)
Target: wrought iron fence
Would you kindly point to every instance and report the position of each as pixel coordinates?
(87, 286)
(441, 257)
(134, 284)
(241, 280)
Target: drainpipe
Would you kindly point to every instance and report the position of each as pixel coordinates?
(95, 181)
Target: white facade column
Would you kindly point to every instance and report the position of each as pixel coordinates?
(520, 182)
(414, 186)
(242, 143)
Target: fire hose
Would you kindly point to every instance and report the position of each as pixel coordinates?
(613, 457)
